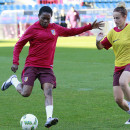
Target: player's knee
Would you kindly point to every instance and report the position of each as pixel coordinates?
(122, 83)
(119, 101)
(48, 92)
(25, 94)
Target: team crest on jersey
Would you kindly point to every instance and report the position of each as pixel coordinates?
(53, 32)
(25, 79)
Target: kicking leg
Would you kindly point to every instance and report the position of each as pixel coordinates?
(24, 90)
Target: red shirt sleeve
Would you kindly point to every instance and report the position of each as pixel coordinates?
(66, 32)
(20, 44)
(105, 42)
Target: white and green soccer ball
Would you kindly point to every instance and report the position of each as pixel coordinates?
(29, 122)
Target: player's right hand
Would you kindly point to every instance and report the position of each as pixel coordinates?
(14, 68)
(99, 37)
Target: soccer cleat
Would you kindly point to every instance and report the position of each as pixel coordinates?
(127, 122)
(7, 83)
(51, 121)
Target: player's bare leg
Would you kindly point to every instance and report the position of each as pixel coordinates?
(23, 90)
(119, 98)
(124, 83)
(47, 87)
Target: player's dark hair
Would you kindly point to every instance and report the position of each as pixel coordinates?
(45, 9)
(121, 10)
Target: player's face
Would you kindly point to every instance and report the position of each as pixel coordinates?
(119, 20)
(44, 19)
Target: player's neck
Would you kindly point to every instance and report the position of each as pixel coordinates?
(122, 27)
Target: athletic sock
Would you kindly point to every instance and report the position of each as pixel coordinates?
(49, 111)
(15, 82)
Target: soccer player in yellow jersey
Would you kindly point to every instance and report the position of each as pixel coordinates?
(119, 39)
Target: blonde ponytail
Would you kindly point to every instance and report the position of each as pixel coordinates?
(121, 4)
(121, 7)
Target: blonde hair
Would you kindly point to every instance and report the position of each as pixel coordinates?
(121, 4)
(121, 8)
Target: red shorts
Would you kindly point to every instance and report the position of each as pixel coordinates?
(117, 75)
(44, 75)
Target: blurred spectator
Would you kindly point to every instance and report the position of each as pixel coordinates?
(55, 16)
(62, 18)
(88, 4)
(9, 31)
(72, 18)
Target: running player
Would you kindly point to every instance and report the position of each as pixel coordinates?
(42, 37)
(119, 39)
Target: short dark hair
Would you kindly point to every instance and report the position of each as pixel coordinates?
(45, 9)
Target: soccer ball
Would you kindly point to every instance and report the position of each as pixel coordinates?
(29, 122)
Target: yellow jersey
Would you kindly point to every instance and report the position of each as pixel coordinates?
(120, 41)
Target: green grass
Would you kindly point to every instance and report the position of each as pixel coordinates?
(83, 99)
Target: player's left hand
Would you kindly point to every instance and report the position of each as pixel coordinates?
(98, 25)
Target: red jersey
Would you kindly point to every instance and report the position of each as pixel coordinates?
(43, 43)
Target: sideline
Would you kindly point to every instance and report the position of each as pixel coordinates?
(71, 42)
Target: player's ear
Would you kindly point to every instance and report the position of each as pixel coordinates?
(125, 17)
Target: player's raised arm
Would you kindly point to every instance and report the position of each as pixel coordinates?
(97, 25)
(98, 39)
(65, 32)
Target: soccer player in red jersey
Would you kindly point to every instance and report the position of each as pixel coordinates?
(42, 37)
(119, 39)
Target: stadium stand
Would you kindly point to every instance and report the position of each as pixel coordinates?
(9, 4)
(27, 10)
(6, 1)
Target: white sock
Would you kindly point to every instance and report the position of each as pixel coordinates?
(49, 111)
(15, 82)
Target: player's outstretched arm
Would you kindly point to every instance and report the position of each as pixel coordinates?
(97, 25)
(14, 68)
(98, 39)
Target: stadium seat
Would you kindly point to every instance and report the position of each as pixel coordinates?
(111, 5)
(97, 0)
(29, 7)
(11, 7)
(66, 7)
(77, 6)
(98, 5)
(37, 7)
(5, 7)
(1, 8)
(59, 6)
(24, 7)
(17, 7)
(8, 1)
(2, 1)
(53, 5)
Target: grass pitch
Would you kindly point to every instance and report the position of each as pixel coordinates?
(83, 99)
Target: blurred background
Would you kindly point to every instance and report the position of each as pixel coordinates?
(17, 15)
